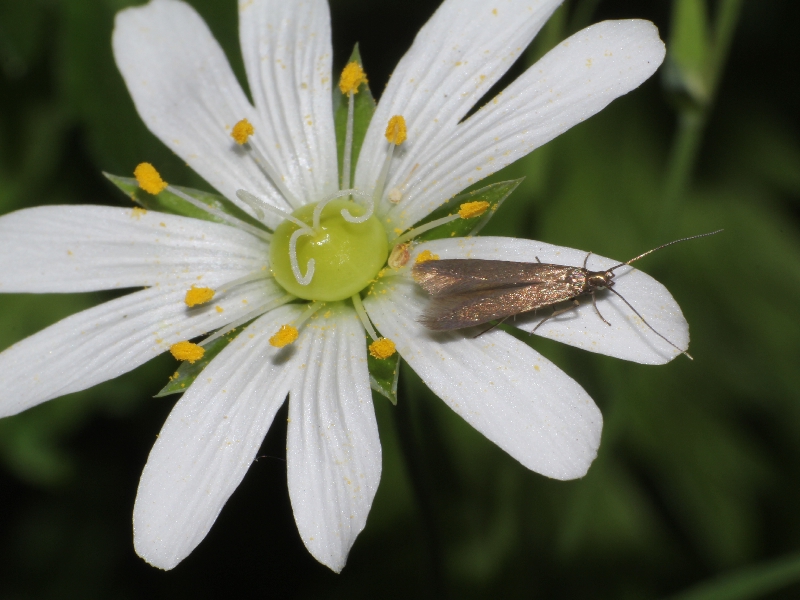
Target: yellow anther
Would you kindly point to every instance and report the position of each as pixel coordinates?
(187, 351)
(382, 348)
(352, 77)
(198, 295)
(425, 256)
(285, 336)
(469, 210)
(242, 131)
(149, 179)
(396, 130)
(399, 256)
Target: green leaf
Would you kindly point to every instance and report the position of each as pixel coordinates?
(494, 194)
(362, 114)
(383, 374)
(748, 584)
(168, 202)
(188, 372)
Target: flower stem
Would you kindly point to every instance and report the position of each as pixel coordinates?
(692, 119)
(407, 419)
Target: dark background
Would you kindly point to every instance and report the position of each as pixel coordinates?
(698, 478)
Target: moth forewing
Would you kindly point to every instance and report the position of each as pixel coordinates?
(469, 292)
(456, 311)
(462, 275)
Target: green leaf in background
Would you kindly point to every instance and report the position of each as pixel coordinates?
(188, 372)
(362, 114)
(494, 194)
(383, 375)
(687, 61)
(748, 584)
(168, 202)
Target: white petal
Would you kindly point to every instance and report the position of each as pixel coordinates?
(333, 450)
(287, 53)
(187, 94)
(627, 337)
(571, 83)
(455, 59)
(504, 389)
(209, 441)
(85, 248)
(111, 339)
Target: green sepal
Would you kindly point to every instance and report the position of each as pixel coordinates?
(167, 202)
(363, 110)
(494, 194)
(187, 372)
(384, 374)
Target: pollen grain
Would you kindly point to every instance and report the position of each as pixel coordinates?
(198, 295)
(187, 351)
(425, 256)
(396, 132)
(149, 179)
(242, 131)
(352, 77)
(470, 210)
(382, 348)
(284, 336)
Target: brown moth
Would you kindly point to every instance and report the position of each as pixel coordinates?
(468, 292)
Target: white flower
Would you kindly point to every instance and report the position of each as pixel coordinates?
(188, 96)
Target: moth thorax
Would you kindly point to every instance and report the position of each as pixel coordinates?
(600, 280)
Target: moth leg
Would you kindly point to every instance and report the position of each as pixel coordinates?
(537, 259)
(586, 260)
(488, 329)
(575, 304)
(598, 311)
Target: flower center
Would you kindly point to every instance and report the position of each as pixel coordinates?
(346, 255)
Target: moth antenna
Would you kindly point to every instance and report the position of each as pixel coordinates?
(686, 239)
(636, 312)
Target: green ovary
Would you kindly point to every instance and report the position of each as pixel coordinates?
(347, 255)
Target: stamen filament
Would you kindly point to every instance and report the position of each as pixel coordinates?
(224, 289)
(362, 315)
(272, 174)
(381, 183)
(252, 314)
(254, 201)
(412, 233)
(348, 141)
(311, 309)
(229, 219)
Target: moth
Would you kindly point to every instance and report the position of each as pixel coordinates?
(467, 292)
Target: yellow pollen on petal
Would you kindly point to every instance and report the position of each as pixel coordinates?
(470, 210)
(425, 256)
(382, 348)
(242, 131)
(352, 77)
(396, 132)
(149, 179)
(187, 351)
(198, 295)
(219, 309)
(137, 212)
(285, 336)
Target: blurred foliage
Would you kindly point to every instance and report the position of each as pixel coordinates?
(695, 490)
